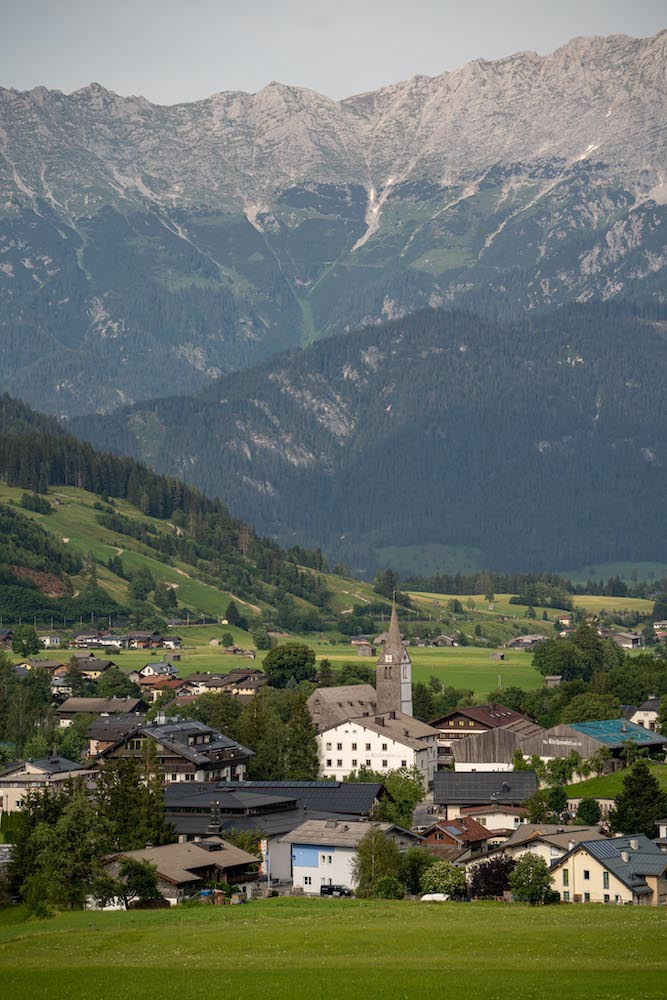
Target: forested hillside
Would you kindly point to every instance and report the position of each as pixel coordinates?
(526, 446)
(107, 504)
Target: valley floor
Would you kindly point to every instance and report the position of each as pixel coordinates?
(321, 949)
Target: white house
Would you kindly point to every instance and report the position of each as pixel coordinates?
(647, 714)
(50, 641)
(380, 743)
(322, 851)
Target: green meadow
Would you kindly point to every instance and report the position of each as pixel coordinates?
(339, 950)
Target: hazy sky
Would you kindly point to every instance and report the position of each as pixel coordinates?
(182, 50)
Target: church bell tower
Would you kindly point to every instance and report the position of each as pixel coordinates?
(393, 675)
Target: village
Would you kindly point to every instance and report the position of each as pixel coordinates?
(464, 798)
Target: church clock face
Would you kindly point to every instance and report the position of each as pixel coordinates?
(387, 658)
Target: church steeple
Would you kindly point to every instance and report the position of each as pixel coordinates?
(393, 674)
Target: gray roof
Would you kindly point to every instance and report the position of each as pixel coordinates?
(650, 705)
(557, 834)
(480, 788)
(100, 705)
(174, 734)
(645, 859)
(338, 833)
(355, 798)
(112, 727)
(182, 863)
(52, 765)
(397, 726)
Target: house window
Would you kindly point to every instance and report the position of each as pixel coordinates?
(384, 763)
(354, 762)
(439, 836)
(329, 858)
(617, 899)
(173, 777)
(368, 746)
(471, 723)
(384, 746)
(354, 746)
(587, 897)
(328, 746)
(587, 875)
(339, 746)
(189, 777)
(368, 763)
(566, 876)
(605, 880)
(404, 763)
(307, 880)
(554, 852)
(329, 762)
(324, 859)
(606, 897)
(566, 897)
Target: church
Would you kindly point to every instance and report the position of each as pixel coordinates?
(359, 726)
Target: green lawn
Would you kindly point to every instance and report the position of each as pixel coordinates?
(320, 949)
(610, 785)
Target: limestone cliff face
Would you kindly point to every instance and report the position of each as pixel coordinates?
(214, 233)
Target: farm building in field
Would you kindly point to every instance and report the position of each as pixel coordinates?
(453, 791)
(627, 640)
(588, 737)
(322, 851)
(619, 870)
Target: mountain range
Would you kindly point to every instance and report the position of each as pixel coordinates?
(148, 250)
(440, 439)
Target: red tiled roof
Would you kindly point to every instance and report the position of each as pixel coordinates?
(492, 715)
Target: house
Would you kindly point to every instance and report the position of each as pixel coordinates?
(72, 707)
(392, 691)
(588, 737)
(144, 640)
(471, 721)
(627, 640)
(6, 636)
(553, 680)
(493, 750)
(159, 669)
(53, 666)
(186, 750)
(100, 640)
(88, 666)
(322, 851)
(445, 640)
(647, 714)
(613, 870)
(525, 642)
(381, 743)
(50, 641)
(466, 834)
(152, 687)
(271, 808)
(662, 834)
(183, 869)
(495, 817)
(106, 730)
(547, 840)
(453, 791)
(30, 775)
(172, 642)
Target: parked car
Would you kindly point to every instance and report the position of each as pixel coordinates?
(335, 890)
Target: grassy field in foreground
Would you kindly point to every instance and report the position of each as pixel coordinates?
(341, 949)
(610, 785)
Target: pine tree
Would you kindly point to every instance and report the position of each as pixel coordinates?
(639, 804)
(301, 756)
(261, 730)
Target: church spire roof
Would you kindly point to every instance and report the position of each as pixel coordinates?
(394, 643)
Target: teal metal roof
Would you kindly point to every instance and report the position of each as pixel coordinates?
(615, 732)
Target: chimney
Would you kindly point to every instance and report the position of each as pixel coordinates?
(570, 845)
(634, 844)
(625, 856)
